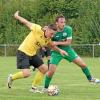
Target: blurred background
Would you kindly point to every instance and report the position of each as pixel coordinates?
(82, 15)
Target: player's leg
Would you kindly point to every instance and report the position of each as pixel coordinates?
(24, 65)
(85, 69)
(73, 57)
(54, 61)
(48, 78)
(38, 63)
(18, 75)
(39, 76)
(37, 79)
(83, 66)
(41, 54)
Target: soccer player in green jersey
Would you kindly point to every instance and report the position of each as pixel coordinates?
(63, 39)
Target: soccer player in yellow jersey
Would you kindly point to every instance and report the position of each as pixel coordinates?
(26, 53)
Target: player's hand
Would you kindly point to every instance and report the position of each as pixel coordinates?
(63, 53)
(16, 14)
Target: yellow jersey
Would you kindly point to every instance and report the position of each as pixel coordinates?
(34, 40)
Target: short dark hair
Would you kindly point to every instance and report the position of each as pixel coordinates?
(59, 16)
(52, 26)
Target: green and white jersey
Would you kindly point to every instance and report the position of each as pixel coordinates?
(63, 36)
(56, 57)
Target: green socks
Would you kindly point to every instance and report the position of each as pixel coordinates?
(85, 70)
(47, 81)
(87, 73)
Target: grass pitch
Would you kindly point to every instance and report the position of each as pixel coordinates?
(70, 79)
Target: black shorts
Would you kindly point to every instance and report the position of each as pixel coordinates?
(24, 61)
(46, 53)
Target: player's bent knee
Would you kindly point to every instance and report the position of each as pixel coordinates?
(50, 73)
(43, 68)
(26, 73)
(83, 65)
(44, 71)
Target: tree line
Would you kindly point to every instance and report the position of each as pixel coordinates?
(82, 15)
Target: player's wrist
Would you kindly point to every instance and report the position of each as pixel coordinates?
(60, 50)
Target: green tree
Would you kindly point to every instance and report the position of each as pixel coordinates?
(87, 25)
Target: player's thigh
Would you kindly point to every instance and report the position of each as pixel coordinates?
(52, 67)
(22, 60)
(71, 55)
(55, 58)
(36, 61)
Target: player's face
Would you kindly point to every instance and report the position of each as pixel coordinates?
(49, 33)
(60, 23)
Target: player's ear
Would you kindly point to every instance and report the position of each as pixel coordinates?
(45, 27)
(56, 24)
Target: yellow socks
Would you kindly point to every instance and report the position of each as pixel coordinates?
(38, 79)
(18, 75)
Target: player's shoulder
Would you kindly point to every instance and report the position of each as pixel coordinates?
(67, 27)
(36, 26)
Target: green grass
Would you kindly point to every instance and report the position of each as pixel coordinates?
(71, 81)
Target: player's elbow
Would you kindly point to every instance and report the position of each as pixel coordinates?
(29, 25)
(68, 42)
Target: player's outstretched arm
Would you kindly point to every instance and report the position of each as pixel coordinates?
(62, 52)
(23, 20)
